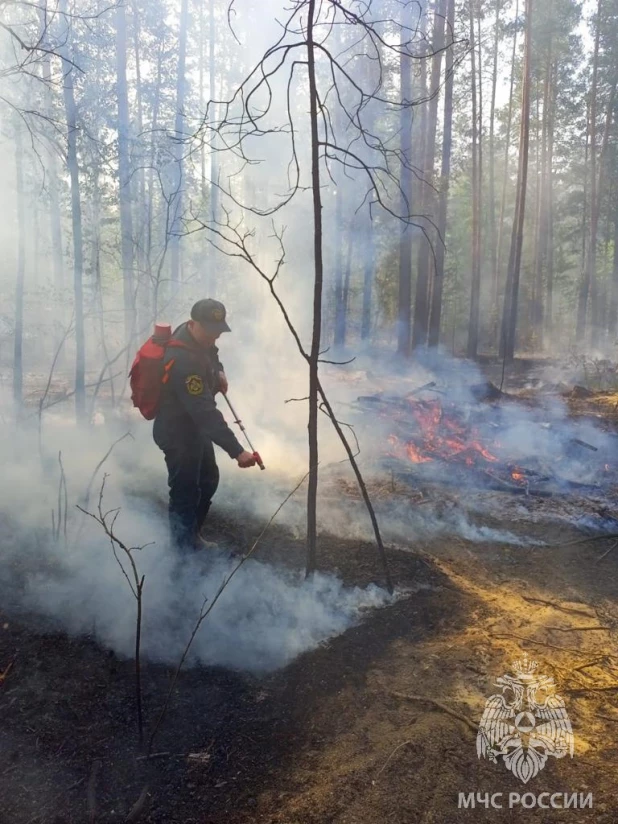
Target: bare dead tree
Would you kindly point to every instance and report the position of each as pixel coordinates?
(335, 90)
(233, 241)
(136, 585)
(60, 515)
(50, 378)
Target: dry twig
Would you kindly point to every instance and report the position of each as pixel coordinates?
(140, 806)
(607, 551)
(205, 612)
(91, 793)
(534, 642)
(153, 755)
(580, 629)
(438, 705)
(584, 540)
(589, 664)
(4, 675)
(584, 690)
(555, 605)
(100, 464)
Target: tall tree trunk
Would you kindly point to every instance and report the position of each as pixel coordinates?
(585, 223)
(143, 288)
(124, 174)
(542, 210)
(425, 261)
(95, 251)
(368, 252)
(405, 238)
(475, 292)
(369, 258)
(612, 322)
(317, 296)
(76, 221)
(492, 177)
(596, 300)
(204, 195)
(214, 158)
(154, 273)
(95, 270)
(604, 296)
(549, 302)
(202, 104)
(549, 299)
(345, 297)
(34, 230)
(505, 178)
(18, 340)
(481, 158)
(420, 92)
(55, 213)
(445, 173)
(511, 298)
(528, 296)
(590, 264)
(179, 128)
(338, 265)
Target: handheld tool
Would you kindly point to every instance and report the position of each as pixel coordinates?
(237, 420)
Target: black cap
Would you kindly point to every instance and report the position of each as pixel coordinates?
(211, 315)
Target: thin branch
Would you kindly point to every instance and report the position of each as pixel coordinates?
(439, 706)
(100, 464)
(136, 586)
(205, 612)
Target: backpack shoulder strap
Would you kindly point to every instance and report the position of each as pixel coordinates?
(173, 343)
(178, 344)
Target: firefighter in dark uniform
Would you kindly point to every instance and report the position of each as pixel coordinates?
(188, 422)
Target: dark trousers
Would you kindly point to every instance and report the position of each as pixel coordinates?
(193, 478)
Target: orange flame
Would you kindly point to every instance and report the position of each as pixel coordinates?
(415, 455)
(443, 436)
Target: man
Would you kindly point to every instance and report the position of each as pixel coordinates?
(188, 422)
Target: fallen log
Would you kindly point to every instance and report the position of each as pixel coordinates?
(579, 442)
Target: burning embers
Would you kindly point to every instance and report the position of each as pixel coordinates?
(441, 436)
(456, 443)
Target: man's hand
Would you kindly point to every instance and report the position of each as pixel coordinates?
(223, 384)
(246, 460)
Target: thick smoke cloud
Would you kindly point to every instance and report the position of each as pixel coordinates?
(268, 615)
(264, 618)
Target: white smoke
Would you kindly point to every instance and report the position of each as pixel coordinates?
(267, 615)
(264, 618)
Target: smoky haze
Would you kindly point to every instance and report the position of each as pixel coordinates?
(130, 172)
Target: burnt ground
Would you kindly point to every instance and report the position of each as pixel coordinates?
(343, 734)
(329, 738)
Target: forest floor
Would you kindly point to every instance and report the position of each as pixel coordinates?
(331, 737)
(343, 734)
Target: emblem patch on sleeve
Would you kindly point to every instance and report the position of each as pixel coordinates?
(195, 385)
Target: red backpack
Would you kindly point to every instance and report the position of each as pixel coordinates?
(148, 374)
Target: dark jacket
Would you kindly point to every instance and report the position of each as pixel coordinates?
(188, 410)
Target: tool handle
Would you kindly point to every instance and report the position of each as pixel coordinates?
(258, 460)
